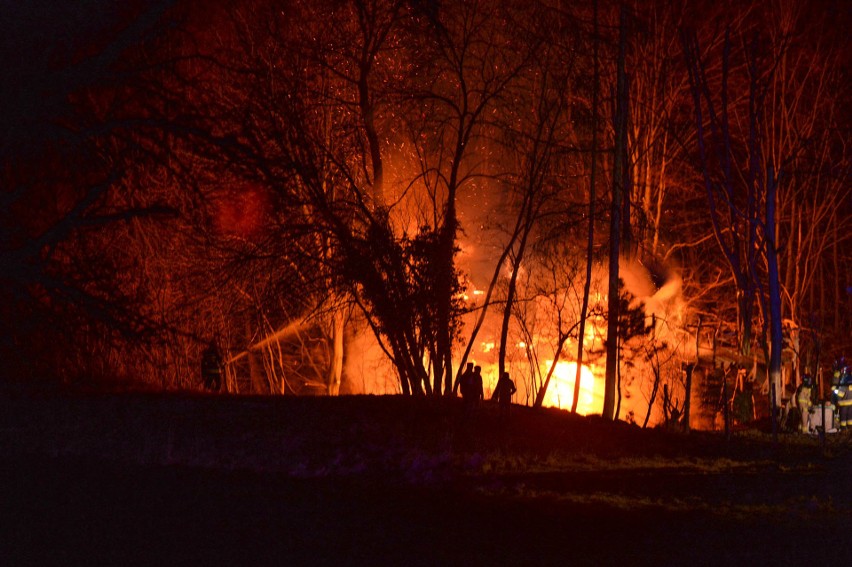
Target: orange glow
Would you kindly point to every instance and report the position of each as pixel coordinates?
(240, 211)
(560, 392)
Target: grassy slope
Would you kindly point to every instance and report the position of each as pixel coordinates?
(389, 480)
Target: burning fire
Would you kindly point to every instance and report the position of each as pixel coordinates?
(560, 392)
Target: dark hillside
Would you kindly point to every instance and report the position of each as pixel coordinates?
(392, 480)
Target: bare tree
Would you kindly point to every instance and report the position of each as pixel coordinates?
(741, 194)
(65, 154)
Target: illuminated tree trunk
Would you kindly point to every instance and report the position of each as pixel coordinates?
(618, 184)
(257, 372)
(335, 371)
(590, 242)
(446, 287)
(617, 382)
(836, 289)
(510, 294)
(690, 373)
(776, 336)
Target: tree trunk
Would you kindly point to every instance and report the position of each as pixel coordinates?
(620, 126)
(590, 242)
(617, 383)
(257, 372)
(446, 274)
(690, 368)
(838, 284)
(335, 372)
(510, 294)
(776, 336)
(486, 303)
(653, 397)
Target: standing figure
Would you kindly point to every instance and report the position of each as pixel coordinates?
(471, 390)
(843, 397)
(503, 392)
(463, 379)
(476, 385)
(211, 367)
(804, 401)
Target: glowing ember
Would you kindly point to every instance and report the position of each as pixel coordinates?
(560, 392)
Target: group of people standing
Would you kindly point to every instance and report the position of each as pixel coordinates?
(469, 383)
(841, 399)
(470, 386)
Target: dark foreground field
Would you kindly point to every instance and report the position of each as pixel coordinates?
(180, 480)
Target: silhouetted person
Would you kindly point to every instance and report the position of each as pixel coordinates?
(842, 396)
(463, 378)
(471, 389)
(476, 385)
(503, 392)
(211, 367)
(804, 401)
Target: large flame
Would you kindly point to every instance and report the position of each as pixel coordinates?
(560, 391)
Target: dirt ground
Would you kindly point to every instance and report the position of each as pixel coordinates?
(177, 479)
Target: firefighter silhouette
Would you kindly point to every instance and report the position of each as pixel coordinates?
(211, 367)
(804, 401)
(842, 394)
(503, 392)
